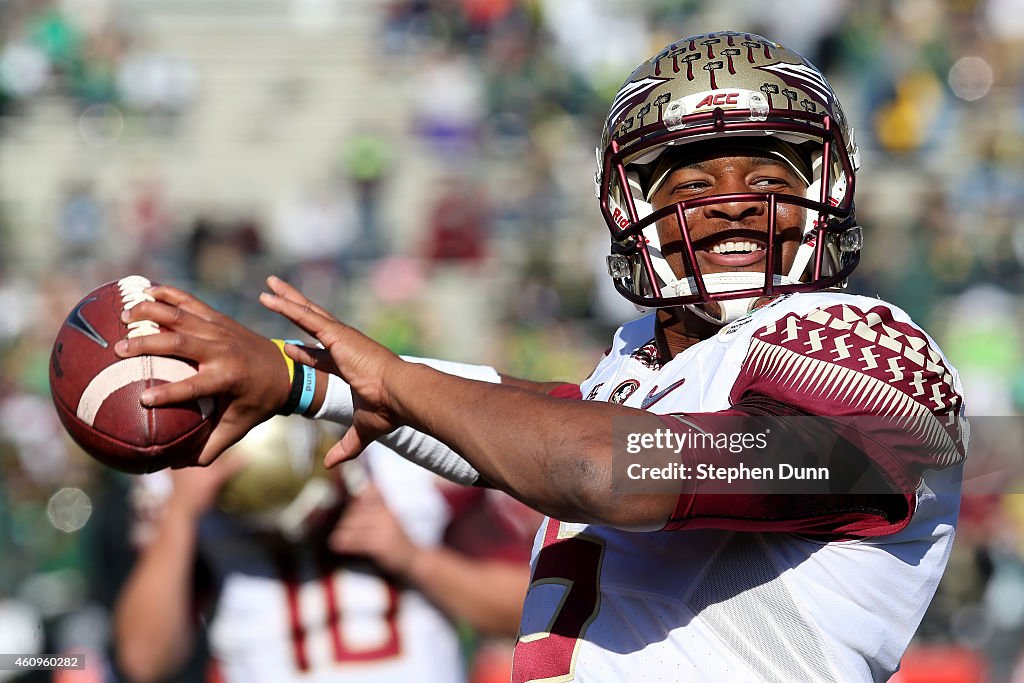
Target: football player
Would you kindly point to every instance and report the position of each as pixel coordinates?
(315, 575)
(726, 176)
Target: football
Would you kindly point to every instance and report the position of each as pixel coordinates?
(96, 393)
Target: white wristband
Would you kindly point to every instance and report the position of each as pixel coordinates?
(337, 406)
(413, 445)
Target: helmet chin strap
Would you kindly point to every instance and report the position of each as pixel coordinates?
(729, 310)
(715, 283)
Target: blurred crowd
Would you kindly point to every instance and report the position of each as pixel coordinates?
(502, 262)
(93, 59)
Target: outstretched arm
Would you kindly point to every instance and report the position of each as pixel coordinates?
(250, 379)
(423, 449)
(552, 454)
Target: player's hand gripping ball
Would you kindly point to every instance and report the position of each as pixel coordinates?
(97, 393)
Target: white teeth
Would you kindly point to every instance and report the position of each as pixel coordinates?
(732, 247)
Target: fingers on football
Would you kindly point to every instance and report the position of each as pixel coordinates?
(164, 344)
(187, 390)
(183, 300)
(173, 318)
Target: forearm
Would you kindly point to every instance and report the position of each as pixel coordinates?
(486, 594)
(332, 399)
(334, 403)
(153, 622)
(552, 454)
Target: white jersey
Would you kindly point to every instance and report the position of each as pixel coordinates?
(713, 605)
(292, 612)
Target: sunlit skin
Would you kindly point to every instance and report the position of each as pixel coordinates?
(727, 172)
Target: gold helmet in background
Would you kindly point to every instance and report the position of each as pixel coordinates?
(284, 487)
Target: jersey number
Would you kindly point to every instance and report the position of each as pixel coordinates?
(342, 651)
(574, 562)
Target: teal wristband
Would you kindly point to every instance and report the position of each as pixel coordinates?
(308, 389)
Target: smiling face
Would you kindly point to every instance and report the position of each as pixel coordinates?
(730, 236)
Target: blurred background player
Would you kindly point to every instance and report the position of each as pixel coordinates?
(304, 574)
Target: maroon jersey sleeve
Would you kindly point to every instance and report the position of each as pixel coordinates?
(570, 391)
(880, 406)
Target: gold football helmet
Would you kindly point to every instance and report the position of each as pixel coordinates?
(719, 87)
(284, 487)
